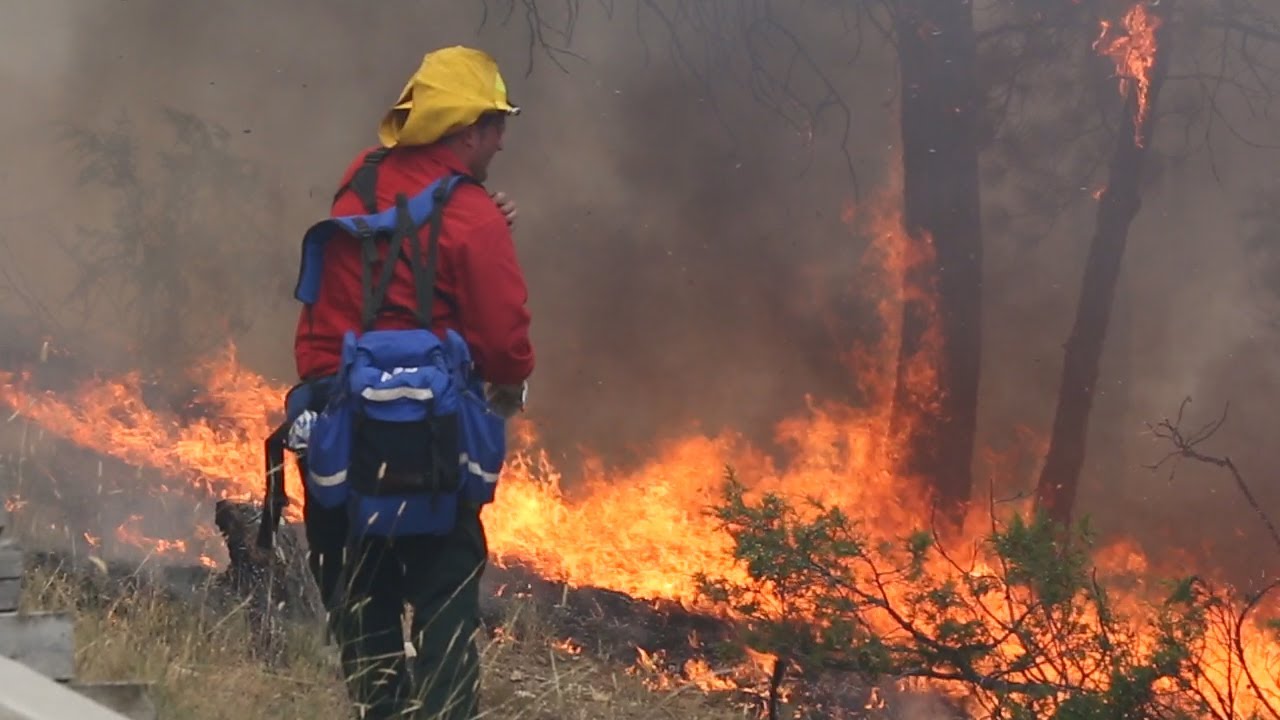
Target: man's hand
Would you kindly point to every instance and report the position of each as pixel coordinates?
(506, 400)
(508, 207)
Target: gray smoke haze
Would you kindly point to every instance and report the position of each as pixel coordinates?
(672, 267)
(686, 259)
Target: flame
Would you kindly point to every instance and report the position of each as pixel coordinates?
(569, 646)
(222, 457)
(643, 531)
(129, 534)
(1133, 50)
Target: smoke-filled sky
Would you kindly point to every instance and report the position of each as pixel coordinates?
(661, 253)
(686, 258)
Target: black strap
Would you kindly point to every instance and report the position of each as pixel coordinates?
(276, 499)
(424, 278)
(364, 181)
(375, 295)
(424, 272)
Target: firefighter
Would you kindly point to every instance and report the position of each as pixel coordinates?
(449, 122)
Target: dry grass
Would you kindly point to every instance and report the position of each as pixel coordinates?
(199, 658)
(202, 667)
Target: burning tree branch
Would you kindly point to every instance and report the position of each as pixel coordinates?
(1026, 628)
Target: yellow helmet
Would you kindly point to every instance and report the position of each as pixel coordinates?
(450, 90)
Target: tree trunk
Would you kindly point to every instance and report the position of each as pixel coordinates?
(939, 119)
(1118, 205)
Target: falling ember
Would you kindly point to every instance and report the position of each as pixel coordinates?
(1133, 50)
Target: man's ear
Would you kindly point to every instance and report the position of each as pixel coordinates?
(469, 137)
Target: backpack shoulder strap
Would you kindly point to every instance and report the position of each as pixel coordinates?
(410, 216)
(424, 272)
(364, 181)
(398, 223)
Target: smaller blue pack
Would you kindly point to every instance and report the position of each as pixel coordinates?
(405, 434)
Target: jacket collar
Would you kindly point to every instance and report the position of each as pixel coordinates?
(424, 157)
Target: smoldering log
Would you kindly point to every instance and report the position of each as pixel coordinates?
(276, 579)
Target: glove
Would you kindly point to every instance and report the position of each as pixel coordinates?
(300, 431)
(506, 400)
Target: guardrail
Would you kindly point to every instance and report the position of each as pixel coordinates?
(37, 659)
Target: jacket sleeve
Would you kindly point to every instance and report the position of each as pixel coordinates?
(491, 295)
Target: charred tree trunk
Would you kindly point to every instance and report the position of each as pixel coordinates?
(1117, 207)
(939, 123)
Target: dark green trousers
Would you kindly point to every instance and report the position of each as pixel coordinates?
(439, 579)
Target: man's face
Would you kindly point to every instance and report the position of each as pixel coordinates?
(485, 142)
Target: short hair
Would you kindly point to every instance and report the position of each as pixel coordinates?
(491, 118)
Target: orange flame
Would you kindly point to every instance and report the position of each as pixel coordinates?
(222, 457)
(1133, 51)
(643, 531)
(569, 646)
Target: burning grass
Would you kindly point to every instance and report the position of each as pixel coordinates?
(646, 534)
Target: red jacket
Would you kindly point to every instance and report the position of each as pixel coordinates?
(480, 289)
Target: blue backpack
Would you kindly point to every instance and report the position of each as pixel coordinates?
(402, 434)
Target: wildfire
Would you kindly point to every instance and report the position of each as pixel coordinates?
(222, 456)
(1133, 50)
(643, 531)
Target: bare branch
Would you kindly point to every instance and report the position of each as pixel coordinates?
(549, 32)
(16, 286)
(1185, 446)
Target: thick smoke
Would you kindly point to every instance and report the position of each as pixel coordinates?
(685, 253)
(679, 255)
